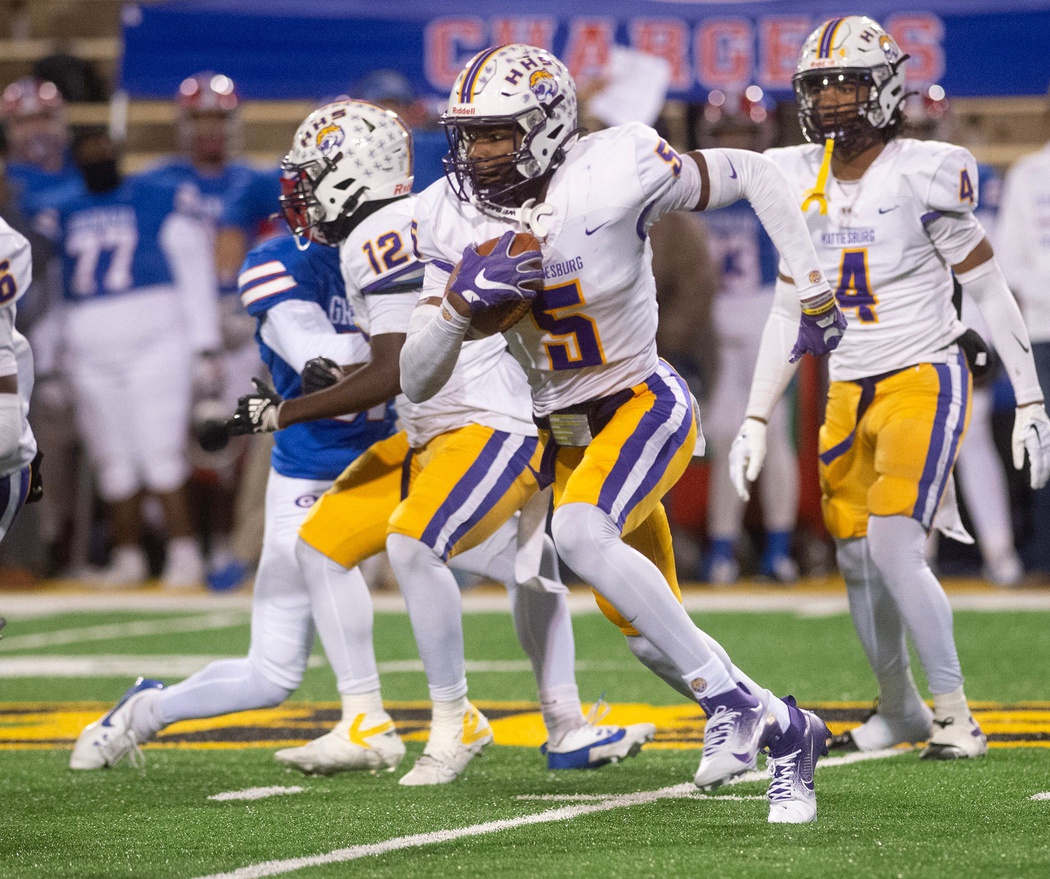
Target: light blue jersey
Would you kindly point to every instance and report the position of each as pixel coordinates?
(277, 271)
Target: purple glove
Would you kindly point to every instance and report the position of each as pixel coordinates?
(492, 279)
(819, 332)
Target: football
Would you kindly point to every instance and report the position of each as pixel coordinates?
(501, 318)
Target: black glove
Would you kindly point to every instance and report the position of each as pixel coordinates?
(36, 480)
(256, 413)
(319, 373)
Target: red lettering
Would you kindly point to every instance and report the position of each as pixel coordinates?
(780, 41)
(448, 43)
(587, 51)
(667, 38)
(724, 50)
(531, 31)
(920, 35)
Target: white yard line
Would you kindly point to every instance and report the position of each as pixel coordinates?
(746, 598)
(113, 665)
(1042, 795)
(565, 813)
(256, 793)
(136, 629)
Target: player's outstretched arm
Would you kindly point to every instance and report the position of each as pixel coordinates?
(431, 350)
(980, 276)
(728, 175)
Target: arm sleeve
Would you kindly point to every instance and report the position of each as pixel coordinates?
(431, 350)
(298, 330)
(188, 248)
(773, 372)
(667, 181)
(987, 285)
(736, 174)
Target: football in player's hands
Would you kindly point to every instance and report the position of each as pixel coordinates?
(499, 318)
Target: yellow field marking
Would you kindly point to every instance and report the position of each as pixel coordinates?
(36, 726)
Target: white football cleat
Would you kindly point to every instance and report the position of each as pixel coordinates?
(882, 731)
(109, 740)
(590, 746)
(449, 749)
(738, 727)
(368, 742)
(793, 756)
(955, 738)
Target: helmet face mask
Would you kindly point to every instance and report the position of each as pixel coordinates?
(849, 83)
(208, 124)
(345, 155)
(515, 89)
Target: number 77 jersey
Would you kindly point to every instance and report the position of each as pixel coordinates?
(886, 244)
(592, 331)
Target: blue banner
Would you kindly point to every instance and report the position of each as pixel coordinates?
(287, 49)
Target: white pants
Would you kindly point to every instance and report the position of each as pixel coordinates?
(130, 367)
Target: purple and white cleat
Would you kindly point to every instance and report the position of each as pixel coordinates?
(738, 727)
(793, 755)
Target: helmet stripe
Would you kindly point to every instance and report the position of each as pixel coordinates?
(466, 91)
(828, 37)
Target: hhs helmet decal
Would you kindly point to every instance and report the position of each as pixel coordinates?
(329, 138)
(543, 85)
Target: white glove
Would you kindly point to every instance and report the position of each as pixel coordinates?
(747, 455)
(1032, 433)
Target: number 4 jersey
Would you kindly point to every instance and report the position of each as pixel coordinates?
(886, 244)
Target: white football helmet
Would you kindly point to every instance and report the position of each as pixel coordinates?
(516, 85)
(855, 52)
(345, 155)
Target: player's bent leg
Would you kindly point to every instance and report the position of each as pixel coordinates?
(738, 726)
(901, 716)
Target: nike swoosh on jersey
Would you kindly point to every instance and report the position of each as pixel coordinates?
(887, 210)
(1024, 347)
(596, 228)
(731, 168)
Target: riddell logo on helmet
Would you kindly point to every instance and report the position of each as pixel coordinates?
(464, 111)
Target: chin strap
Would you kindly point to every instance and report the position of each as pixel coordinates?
(533, 217)
(816, 196)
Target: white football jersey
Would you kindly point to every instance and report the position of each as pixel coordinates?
(16, 358)
(383, 276)
(592, 331)
(886, 244)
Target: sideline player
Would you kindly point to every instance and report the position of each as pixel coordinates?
(19, 461)
(298, 300)
(619, 425)
(899, 219)
(140, 303)
(749, 271)
(453, 477)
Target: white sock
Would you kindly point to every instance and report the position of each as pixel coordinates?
(362, 703)
(951, 704)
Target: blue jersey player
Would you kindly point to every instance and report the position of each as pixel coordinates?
(298, 300)
(140, 304)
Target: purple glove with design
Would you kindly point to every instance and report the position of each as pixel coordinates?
(820, 329)
(492, 278)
